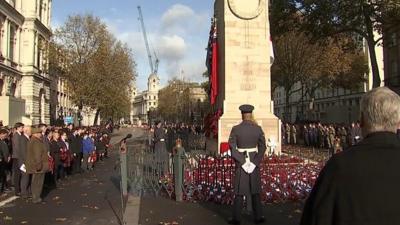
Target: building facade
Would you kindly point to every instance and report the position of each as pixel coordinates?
(142, 104)
(334, 105)
(61, 105)
(24, 78)
(391, 49)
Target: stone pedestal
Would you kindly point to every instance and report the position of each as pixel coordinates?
(244, 65)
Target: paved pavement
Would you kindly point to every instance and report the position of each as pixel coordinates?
(155, 211)
(90, 199)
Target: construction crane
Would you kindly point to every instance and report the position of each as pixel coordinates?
(153, 65)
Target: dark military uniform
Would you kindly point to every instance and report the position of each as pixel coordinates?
(306, 136)
(160, 149)
(247, 135)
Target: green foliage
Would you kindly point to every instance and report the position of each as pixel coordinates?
(98, 68)
(315, 64)
(361, 18)
(176, 104)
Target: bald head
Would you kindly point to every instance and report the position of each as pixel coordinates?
(28, 130)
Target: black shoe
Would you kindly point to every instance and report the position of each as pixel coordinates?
(260, 220)
(233, 222)
(37, 201)
(25, 197)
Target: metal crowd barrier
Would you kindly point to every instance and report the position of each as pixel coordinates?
(195, 176)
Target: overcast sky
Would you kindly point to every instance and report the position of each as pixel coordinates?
(178, 31)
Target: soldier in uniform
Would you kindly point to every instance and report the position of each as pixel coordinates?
(160, 148)
(293, 133)
(343, 136)
(352, 134)
(248, 146)
(287, 129)
(312, 135)
(306, 135)
(332, 134)
(358, 133)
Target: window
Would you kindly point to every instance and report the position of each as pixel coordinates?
(13, 89)
(393, 68)
(1, 86)
(12, 2)
(11, 42)
(39, 54)
(1, 34)
(392, 40)
(40, 8)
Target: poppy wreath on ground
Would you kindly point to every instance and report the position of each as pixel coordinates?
(284, 178)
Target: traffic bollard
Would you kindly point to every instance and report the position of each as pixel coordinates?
(124, 169)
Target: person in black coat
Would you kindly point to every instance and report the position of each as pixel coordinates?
(160, 148)
(100, 146)
(55, 154)
(75, 141)
(248, 146)
(17, 139)
(4, 159)
(361, 186)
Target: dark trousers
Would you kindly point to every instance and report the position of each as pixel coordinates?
(76, 164)
(3, 176)
(16, 176)
(37, 185)
(60, 171)
(50, 180)
(256, 205)
(25, 179)
(85, 164)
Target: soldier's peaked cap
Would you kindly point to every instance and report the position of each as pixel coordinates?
(246, 108)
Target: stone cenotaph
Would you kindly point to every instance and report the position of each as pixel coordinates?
(244, 58)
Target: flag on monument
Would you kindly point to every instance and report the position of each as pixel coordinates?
(214, 66)
(209, 49)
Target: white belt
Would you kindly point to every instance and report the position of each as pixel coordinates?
(247, 151)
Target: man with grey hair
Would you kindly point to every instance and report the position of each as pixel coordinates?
(361, 185)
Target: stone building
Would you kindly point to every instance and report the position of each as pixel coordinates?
(197, 93)
(334, 105)
(145, 102)
(61, 105)
(391, 49)
(24, 80)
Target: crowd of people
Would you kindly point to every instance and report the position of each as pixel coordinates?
(325, 136)
(174, 131)
(32, 157)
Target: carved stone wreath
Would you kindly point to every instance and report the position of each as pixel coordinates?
(246, 9)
